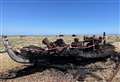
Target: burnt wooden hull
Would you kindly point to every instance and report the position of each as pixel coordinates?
(37, 55)
(67, 55)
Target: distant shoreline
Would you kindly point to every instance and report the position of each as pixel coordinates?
(63, 34)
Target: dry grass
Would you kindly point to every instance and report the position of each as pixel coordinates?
(6, 63)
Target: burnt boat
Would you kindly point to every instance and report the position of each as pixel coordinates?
(91, 49)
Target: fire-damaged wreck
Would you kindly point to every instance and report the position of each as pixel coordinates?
(91, 48)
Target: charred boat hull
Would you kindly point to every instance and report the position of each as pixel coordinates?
(35, 55)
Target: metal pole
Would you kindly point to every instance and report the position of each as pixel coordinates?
(104, 38)
(93, 42)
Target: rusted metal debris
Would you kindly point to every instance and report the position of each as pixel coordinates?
(89, 44)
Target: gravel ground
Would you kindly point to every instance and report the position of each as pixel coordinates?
(42, 74)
